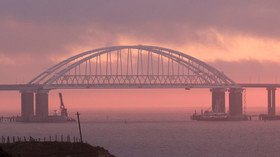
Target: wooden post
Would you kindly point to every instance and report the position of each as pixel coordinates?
(61, 138)
(80, 131)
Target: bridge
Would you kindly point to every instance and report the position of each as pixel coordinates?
(137, 66)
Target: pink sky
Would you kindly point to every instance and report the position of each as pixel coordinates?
(240, 38)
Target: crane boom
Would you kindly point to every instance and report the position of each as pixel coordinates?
(63, 110)
(61, 101)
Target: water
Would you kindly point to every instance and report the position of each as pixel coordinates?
(165, 138)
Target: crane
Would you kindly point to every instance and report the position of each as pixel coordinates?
(63, 110)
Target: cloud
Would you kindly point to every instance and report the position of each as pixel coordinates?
(52, 26)
(6, 60)
(249, 71)
(36, 34)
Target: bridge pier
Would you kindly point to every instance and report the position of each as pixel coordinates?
(271, 102)
(42, 105)
(27, 105)
(218, 100)
(235, 103)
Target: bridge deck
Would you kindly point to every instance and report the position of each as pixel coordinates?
(259, 85)
(19, 87)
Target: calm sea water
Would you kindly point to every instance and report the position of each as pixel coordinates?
(167, 138)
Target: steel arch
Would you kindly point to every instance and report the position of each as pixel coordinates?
(199, 74)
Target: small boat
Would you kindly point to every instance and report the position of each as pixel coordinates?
(210, 116)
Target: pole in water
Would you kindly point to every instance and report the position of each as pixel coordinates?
(80, 131)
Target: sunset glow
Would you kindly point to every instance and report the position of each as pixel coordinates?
(245, 46)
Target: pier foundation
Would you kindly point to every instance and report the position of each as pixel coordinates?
(42, 105)
(235, 102)
(27, 105)
(271, 102)
(218, 100)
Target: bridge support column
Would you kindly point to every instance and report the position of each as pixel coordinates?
(271, 102)
(42, 105)
(27, 106)
(235, 103)
(218, 99)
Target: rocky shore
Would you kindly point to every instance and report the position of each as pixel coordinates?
(51, 149)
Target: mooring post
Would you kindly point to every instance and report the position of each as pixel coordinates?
(80, 131)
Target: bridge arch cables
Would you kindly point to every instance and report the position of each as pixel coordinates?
(137, 66)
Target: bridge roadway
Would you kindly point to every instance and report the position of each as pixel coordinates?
(259, 85)
(20, 87)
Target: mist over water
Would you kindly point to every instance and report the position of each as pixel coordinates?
(161, 134)
(137, 115)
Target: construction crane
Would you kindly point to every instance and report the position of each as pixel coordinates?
(63, 110)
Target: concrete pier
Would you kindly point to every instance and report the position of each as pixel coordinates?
(218, 100)
(271, 102)
(235, 102)
(42, 105)
(27, 105)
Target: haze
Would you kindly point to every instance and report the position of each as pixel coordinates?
(240, 38)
